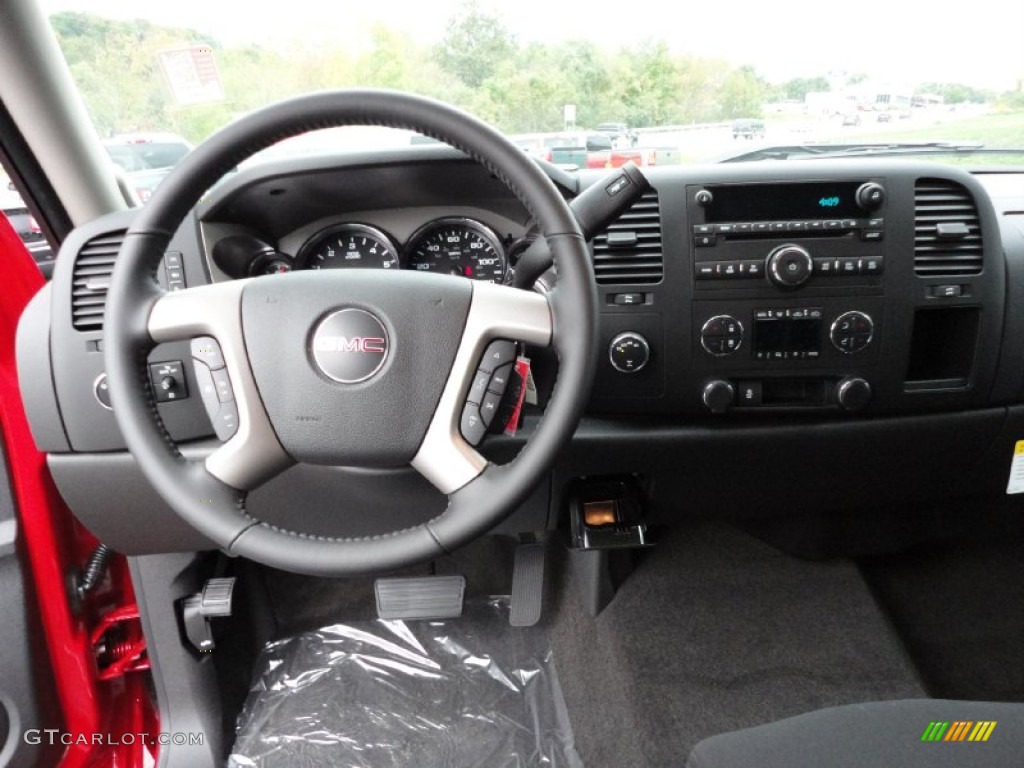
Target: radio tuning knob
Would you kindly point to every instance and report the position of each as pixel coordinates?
(853, 393)
(718, 395)
(789, 266)
(870, 196)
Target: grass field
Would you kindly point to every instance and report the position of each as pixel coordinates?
(991, 130)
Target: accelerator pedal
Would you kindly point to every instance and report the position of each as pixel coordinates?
(426, 597)
(527, 585)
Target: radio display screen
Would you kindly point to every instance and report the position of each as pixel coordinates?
(783, 202)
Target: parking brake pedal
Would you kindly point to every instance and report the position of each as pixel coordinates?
(527, 585)
(213, 602)
(427, 597)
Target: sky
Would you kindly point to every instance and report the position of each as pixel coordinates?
(979, 43)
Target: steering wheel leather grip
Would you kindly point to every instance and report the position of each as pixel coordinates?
(456, 318)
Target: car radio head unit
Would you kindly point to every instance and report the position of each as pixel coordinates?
(772, 202)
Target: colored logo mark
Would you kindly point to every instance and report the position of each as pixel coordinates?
(959, 730)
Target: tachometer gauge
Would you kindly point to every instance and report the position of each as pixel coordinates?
(349, 246)
(458, 247)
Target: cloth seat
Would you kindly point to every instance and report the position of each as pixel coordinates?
(874, 735)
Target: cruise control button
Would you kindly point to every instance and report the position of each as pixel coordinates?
(207, 389)
(206, 349)
(497, 354)
(223, 385)
(226, 422)
(472, 425)
(172, 259)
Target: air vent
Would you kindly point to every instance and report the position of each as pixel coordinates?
(629, 251)
(91, 279)
(947, 233)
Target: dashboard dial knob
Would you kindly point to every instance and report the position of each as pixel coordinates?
(870, 196)
(629, 352)
(853, 393)
(789, 266)
(719, 395)
(851, 332)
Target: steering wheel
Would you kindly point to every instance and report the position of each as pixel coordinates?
(357, 368)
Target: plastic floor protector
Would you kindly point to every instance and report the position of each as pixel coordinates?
(456, 693)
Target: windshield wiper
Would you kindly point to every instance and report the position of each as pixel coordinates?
(880, 148)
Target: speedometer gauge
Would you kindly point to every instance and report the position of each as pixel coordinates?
(458, 247)
(349, 246)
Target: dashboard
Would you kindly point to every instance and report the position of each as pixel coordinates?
(851, 320)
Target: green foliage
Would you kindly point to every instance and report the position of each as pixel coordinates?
(477, 65)
(474, 45)
(798, 88)
(957, 93)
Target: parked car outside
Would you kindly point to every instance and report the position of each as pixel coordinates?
(748, 128)
(146, 158)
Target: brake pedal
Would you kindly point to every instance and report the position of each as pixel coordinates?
(426, 597)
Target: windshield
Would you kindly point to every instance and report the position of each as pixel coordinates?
(576, 83)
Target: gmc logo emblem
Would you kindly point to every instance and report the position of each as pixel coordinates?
(325, 343)
(361, 338)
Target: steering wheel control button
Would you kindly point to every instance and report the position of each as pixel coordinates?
(225, 423)
(851, 332)
(497, 354)
(223, 385)
(722, 335)
(479, 386)
(499, 379)
(206, 349)
(101, 390)
(489, 407)
(629, 352)
(168, 381)
(350, 345)
(472, 427)
(789, 266)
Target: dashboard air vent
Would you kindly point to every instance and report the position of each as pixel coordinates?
(947, 232)
(628, 252)
(91, 279)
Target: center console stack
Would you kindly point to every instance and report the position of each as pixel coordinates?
(841, 291)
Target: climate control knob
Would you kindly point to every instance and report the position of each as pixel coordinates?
(629, 352)
(722, 335)
(851, 332)
(789, 266)
(853, 393)
(718, 395)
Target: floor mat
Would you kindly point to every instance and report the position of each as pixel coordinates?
(717, 631)
(959, 607)
(382, 694)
